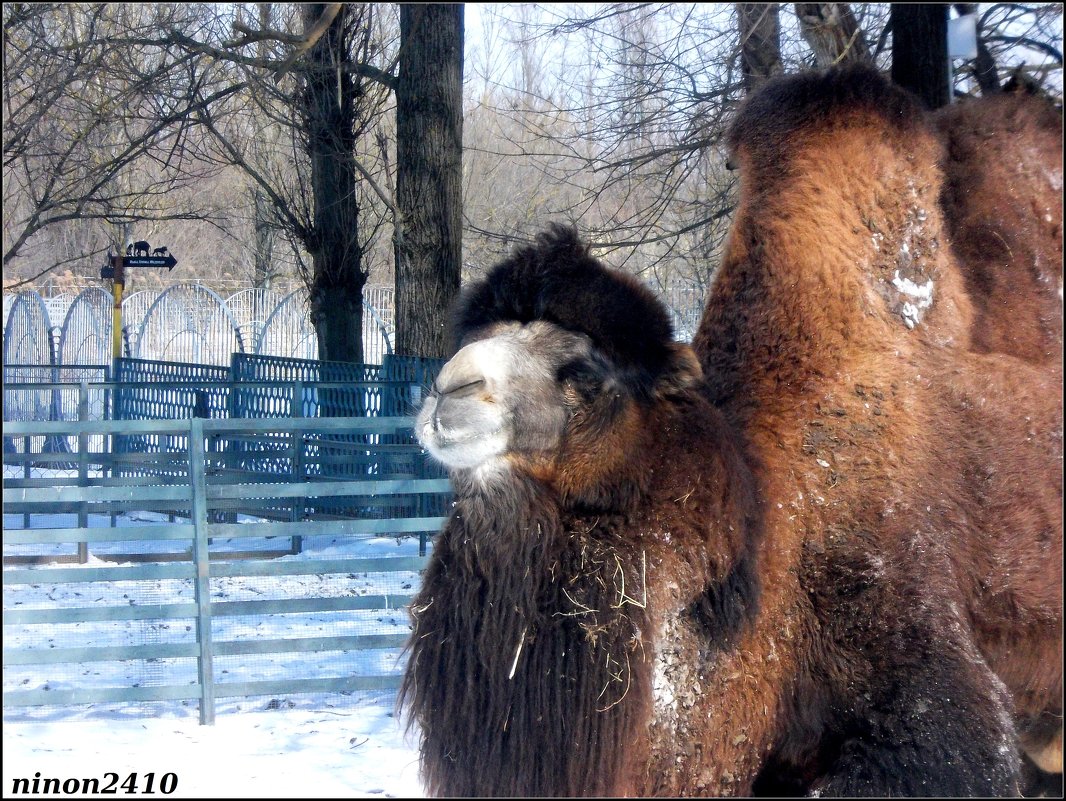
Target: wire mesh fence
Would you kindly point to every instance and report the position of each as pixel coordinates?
(183, 323)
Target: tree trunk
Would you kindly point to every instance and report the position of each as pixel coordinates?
(429, 149)
(985, 71)
(263, 269)
(833, 33)
(920, 51)
(760, 42)
(337, 260)
(262, 272)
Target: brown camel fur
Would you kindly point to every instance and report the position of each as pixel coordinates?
(914, 488)
(619, 492)
(1002, 203)
(832, 564)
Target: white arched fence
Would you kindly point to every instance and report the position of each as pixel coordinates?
(185, 322)
(192, 323)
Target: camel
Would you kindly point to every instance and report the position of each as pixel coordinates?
(819, 552)
(913, 470)
(138, 248)
(1002, 202)
(585, 463)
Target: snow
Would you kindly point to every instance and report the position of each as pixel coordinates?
(281, 753)
(922, 293)
(313, 745)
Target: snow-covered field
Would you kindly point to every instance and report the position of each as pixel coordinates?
(315, 752)
(310, 745)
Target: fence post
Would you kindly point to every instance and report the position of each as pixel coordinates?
(296, 409)
(107, 466)
(83, 466)
(296, 543)
(27, 471)
(202, 562)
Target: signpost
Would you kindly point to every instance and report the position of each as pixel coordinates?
(146, 261)
(118, 279)
(115, 269)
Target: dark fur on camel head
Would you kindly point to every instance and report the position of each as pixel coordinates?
(557, 280)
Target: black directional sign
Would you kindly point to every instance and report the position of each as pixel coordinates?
(107, 272)
(146, 261)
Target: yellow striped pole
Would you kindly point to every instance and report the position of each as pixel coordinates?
(117, 282)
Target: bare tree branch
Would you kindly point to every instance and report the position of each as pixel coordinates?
(833, 33)
(329, 13)
(1026, 41)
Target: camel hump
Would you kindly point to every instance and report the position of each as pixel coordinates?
(808, 102)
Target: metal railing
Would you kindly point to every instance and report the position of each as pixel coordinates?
(208, 544)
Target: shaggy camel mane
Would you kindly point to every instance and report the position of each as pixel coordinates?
(538, 592)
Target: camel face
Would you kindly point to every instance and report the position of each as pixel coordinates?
(508, 392)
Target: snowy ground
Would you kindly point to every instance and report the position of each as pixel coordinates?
(297, 746)
(359, 751)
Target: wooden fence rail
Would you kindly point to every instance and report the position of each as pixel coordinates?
(198, 492)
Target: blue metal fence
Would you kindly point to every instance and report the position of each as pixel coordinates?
(257, 387)
(414, 374)
(349, 397)
(253, 386)
(156, 390)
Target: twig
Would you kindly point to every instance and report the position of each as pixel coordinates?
(313, 35)
(518, 651)
(617, 677)
(582, 608)
(622, 597)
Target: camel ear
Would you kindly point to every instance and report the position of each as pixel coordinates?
(682, 370)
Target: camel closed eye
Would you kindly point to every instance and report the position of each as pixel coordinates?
(464, 390)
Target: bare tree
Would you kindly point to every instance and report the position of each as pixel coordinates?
(760, 41)
(1012, 37)
(263, 267)
(194, 131)
(429, 144)
(113, 111)
(323, 88)
(833, 33)
(99, 121)
(623, 136)
(622, 139)
(330, 122)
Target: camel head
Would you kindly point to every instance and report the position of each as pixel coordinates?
(507, 391)
(559, 360)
